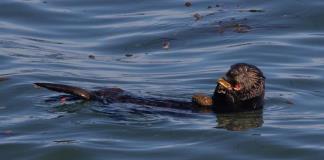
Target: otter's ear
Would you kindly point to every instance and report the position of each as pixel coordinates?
(260, 74)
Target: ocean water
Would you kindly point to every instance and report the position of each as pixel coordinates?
(164, 49)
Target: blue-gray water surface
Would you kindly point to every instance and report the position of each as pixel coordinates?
(163, 49)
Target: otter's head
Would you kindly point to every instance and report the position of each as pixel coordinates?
(242, 82)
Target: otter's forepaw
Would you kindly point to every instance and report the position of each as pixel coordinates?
(202, 99)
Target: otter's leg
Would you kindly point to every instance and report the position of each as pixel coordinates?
(76, 91)
(202, 100)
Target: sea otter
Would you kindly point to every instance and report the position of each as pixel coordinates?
(241, 89)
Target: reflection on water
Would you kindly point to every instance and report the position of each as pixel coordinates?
(240, 121)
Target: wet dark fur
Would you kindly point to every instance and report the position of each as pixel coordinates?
(249, 98)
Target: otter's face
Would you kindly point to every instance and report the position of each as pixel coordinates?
(242, 82)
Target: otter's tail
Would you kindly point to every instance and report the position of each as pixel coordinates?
(79, 92)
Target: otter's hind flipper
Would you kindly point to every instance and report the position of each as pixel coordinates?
(79, 92)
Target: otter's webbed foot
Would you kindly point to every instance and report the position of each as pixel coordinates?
(202, 100)
(72, 90)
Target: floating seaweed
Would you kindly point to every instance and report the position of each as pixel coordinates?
(234, 26)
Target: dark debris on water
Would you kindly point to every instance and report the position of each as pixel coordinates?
(251, 10)
(128, 55)
(188, 4)
(4, 78)
(197, 16)
(166, 45)
(68, 141)
(231, 25)
(235, 27)
(91, 56)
